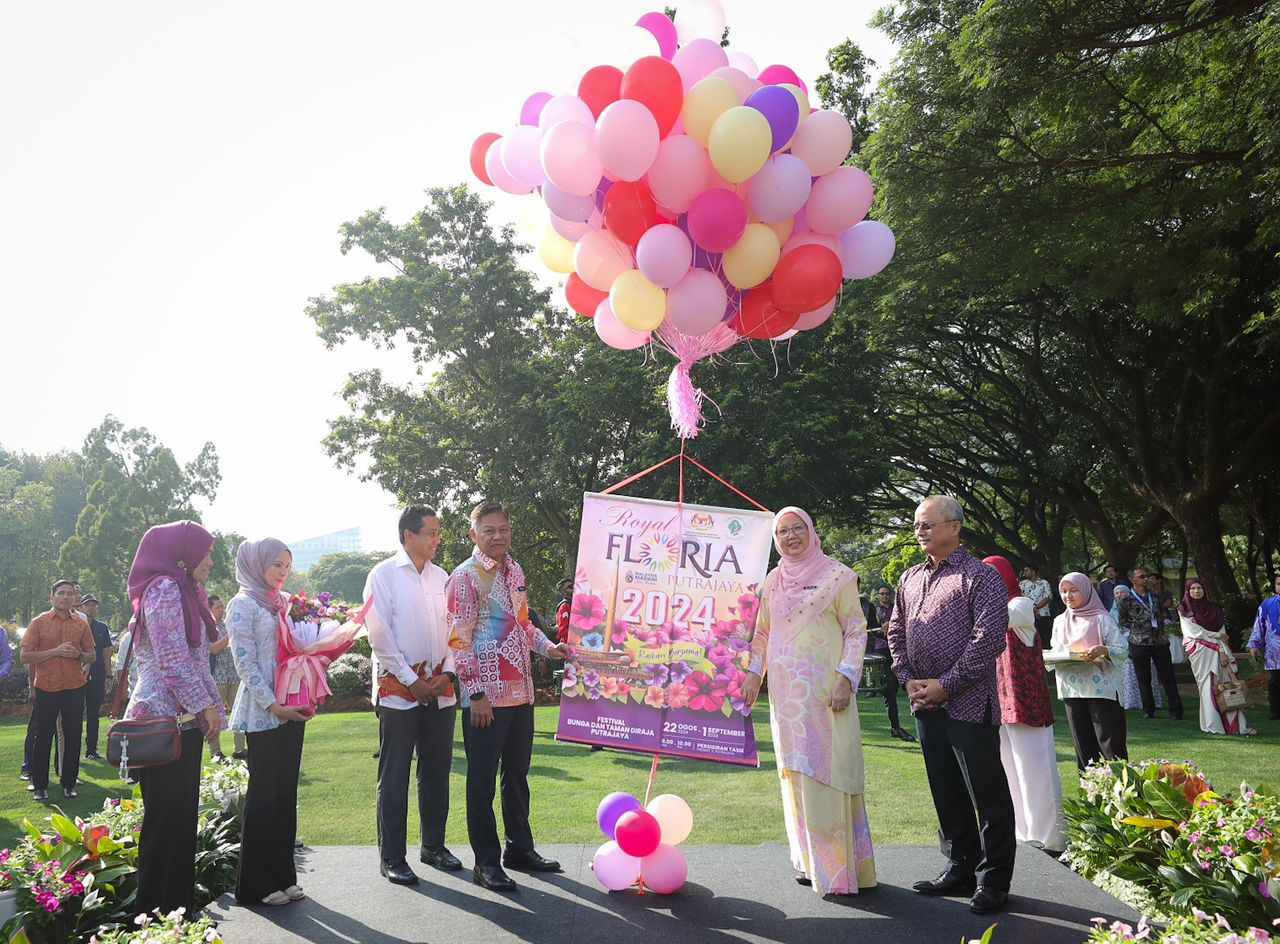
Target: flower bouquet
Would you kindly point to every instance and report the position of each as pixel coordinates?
(314, 632)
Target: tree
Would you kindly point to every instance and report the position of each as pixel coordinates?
(134, 482)
(1085, 198)
(343, 574)
(40, 497)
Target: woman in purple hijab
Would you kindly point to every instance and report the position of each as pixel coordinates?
(171, 630)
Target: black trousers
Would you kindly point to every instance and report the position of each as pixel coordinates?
(50, 706)
(29, 745)
(890, 695)
(962, 761)
(1143, 656)
(1044, 629)
(506, 745)
(167, 845)
(427, 729)
(270, 813)
(1273, 692)
(1098, 729)
(94, 690)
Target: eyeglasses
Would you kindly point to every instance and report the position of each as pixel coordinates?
(793, 532)
(926, 526)
(1139, 576)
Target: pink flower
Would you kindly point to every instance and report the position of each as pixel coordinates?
(624, 690)
(723, 628)
(654, 696)
(1200, 915)
(609, 687)
(703, 695)
(586, 612)
(677, 695)
(748, 608)
(620, 633)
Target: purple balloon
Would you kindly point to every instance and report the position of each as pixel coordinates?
(663, 30)
(780, 109)
(706, 260)
(567, 206)
(532, 107)
(605, 186)
(717, 219)
(611, 809)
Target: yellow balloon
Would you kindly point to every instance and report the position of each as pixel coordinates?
(739, 143)
(802, 99)
(555, 251)
(638, 303)
(531, 214)
(752, 258)
(782, 229)
(706, 102)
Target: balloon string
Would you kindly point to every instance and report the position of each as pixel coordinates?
(653, 775)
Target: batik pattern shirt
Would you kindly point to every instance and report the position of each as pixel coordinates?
(949, 623)
(1139, 617)
(1266, 633)
(490, 631)
(173, 677)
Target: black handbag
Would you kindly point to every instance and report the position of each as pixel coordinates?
(141, 742)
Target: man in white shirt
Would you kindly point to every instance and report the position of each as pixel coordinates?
(414, 691)
(1036, 589)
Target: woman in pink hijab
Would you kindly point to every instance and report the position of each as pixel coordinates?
(810, 637)
(1087, 643)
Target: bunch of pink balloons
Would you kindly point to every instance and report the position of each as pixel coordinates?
(642, 843)
(693, 199)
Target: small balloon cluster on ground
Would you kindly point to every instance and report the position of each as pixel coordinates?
(693, 199)
(642, 843)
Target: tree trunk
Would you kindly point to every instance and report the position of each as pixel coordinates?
(1202, 525)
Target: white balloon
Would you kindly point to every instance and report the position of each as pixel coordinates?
(699, 19)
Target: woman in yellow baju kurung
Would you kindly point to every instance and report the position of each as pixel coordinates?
(810, 638)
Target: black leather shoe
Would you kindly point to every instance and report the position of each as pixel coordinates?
(947, 884)
(988, 900)
(440, 858)
(493, 878)
(802, 879)
(1177, 717)
(94, 755)
(902, 734)
(69, 793)
(529, 862)
(40, 795)
(398, 873)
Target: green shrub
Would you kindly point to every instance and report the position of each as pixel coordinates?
(351, 675)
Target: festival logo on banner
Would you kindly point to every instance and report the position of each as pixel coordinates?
(664, 608)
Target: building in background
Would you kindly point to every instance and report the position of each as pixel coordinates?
(308, 551)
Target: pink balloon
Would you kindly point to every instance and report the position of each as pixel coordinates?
(617, 335)
(569, 158)
(744, 63)
(570, 207)
(567, 107)
(781, 75)
(810, 238)
(627, 139)
(664, 870)
(866, 249)
(839, 200)
(742, 83)
(532, 107)
(664, 255)
(822, 141)
(498, 174)
(786, 335)
(614, 869)
(696, 303)
(663, 30)
(569, 230)
(696, 59)
(717, 220)
(600, 257)
(519, 154)
(812, 319)
(779, 189)
(680, 172)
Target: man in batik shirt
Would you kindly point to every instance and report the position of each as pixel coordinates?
(491, 635)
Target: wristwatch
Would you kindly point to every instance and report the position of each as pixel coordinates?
(476, 696)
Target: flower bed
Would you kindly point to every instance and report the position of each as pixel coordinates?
(1161, 828)
(78, 878)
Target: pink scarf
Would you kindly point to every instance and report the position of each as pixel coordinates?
(1083, 628)
(810, 578)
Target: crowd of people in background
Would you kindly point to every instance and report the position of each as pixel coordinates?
(971, 642)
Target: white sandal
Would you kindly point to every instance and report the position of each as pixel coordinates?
(276, 898)
(295, 893)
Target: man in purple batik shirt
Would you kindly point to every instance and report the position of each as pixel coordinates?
(947, 630)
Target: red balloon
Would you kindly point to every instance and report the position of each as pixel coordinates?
(600, 87)
(629, 210)
(655, 83)
(760, 316)
(637, 833)
(806, 278)
(581, 297)
(478, 150)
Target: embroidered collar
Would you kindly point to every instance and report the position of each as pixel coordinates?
(483, 559)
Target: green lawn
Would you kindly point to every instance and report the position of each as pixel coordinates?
(730, 804)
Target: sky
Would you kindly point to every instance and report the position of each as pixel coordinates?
(173, 176)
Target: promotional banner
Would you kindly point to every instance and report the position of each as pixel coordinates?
(664, 607)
